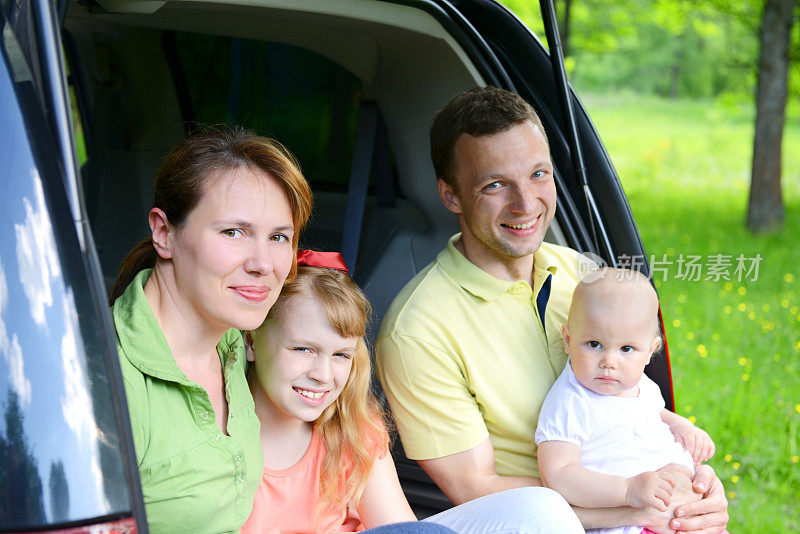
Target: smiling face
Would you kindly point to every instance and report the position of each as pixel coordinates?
(611, 334)
(230, 258)
(505, 195)
(302, 363)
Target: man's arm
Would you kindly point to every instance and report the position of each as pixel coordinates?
(470, 474)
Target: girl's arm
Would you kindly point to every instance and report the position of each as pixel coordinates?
(559, 466)
(383, 500)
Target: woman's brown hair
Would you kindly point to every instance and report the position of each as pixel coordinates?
(180, 183)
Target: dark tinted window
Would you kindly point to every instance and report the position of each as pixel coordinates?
(302, 99)
(59, 444)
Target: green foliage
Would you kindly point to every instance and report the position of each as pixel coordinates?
(676, 48)
(734, 345)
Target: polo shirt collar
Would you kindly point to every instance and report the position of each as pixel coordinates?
(144, 343)
(482, 284)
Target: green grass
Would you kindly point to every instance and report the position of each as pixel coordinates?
(734, 345)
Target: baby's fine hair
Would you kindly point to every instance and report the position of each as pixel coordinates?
(611, 283)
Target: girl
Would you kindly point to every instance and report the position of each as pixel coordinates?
(326, 449)
(228, 207)
(325, 445)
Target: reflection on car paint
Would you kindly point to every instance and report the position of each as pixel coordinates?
(50, 445)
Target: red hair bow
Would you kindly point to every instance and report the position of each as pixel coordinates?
(314, 258)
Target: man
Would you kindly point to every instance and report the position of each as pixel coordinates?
(470, 347)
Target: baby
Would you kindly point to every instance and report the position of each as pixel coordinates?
(605, 438)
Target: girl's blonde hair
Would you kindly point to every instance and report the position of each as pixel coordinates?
(353, 427)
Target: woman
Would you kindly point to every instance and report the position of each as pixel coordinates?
(228, 208)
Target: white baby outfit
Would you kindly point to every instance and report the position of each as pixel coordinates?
(621, 436)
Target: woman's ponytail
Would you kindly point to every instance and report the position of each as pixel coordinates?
(142, 256)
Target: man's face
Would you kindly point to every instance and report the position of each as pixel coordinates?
(505, 197)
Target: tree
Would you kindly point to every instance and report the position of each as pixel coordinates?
(765, 209)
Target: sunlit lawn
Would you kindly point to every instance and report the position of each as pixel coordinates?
(734, 345)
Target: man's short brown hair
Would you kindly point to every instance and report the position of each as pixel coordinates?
(479, 111)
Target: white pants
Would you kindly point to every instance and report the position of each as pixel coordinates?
(514, 511)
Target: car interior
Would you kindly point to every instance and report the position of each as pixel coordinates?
(344, 85)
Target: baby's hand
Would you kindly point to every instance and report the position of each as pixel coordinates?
(653, 488)
(695, 440)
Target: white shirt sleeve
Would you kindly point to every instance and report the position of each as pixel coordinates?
(564, 415)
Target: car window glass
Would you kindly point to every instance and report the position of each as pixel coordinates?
(59, 445)
(304, 100)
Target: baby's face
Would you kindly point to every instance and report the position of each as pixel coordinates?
(609, 346)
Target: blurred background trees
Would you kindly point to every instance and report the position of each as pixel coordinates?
(726, 51)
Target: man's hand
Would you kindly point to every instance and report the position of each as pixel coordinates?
(694, 439)
(708, 515)
(653, 488)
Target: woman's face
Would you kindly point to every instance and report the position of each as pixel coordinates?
(233, 254)
(301, 362)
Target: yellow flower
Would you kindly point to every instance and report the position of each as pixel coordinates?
(693, 419)
(728, 309)
(785, 303)
(735, 479)
(728, 286)
(702, 350)
(728, 457)
(745, 377)
(794, 310)
(795, 459)
(690, 335)
(687, 408)
(788, 278)
(736, 465)
(797, 346)
(776, 357)
(742, 306)
(751, 315)
(742, 361)
(742, 291)
(765, 307)
(797, 408)
(676, 323)
(731, 494)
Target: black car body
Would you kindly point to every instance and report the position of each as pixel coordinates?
(350, 86)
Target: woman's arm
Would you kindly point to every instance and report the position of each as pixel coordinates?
(383, 500)
(559, 465)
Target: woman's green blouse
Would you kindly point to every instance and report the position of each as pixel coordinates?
(194, 477)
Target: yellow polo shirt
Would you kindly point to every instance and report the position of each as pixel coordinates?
(463, 355)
